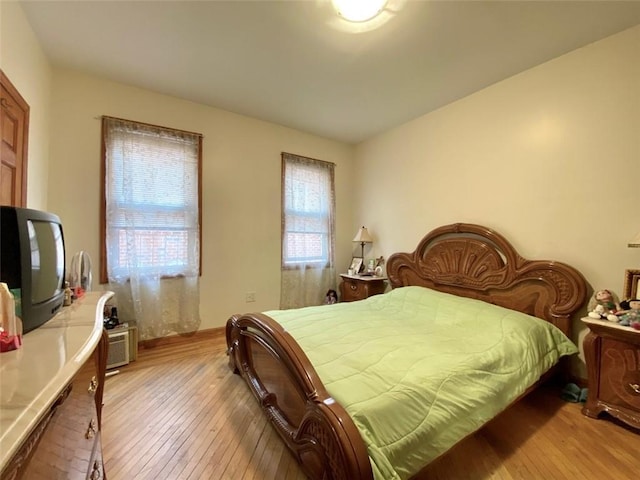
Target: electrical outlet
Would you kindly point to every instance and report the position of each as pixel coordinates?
(250, 297)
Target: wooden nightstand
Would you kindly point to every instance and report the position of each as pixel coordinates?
(355, 287)
(612, 353)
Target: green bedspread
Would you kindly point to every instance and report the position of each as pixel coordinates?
(417, 370)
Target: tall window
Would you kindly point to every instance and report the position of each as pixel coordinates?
(308, 210)
(151, 216)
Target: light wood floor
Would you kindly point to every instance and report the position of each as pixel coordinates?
(179, 413)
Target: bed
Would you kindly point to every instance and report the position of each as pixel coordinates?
(376, 389)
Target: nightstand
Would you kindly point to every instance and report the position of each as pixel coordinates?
(356, 287)
(612, 353)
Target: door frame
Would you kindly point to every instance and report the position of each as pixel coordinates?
(24, 106)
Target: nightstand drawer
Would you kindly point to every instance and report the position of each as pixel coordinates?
(620, 374)
(352, 290)
(612, 354)
(355, 287)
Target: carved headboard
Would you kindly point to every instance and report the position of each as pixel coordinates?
(474, 261)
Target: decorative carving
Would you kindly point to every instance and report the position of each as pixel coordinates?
(325, 441)
(328, 449)
(474, 261)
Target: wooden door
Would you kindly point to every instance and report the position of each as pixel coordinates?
(14, 125)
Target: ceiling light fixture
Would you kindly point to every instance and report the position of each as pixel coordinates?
(358, 10)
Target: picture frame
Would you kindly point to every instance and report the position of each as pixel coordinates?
(631, 284)
(356, 264)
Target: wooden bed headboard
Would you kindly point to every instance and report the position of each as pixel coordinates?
(474, 261)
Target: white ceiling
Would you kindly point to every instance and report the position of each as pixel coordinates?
(297, 64)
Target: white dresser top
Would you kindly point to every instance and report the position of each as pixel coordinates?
(608, 324)
(32, 376)
(366, 278)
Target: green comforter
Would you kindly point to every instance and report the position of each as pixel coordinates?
(417, 370)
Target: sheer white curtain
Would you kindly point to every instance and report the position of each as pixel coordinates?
(152, 225)
(308, 210)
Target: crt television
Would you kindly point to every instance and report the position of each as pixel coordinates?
(32, 262)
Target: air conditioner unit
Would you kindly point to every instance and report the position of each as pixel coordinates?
(118, 349)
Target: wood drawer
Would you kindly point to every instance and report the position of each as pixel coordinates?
(619, 382)
(358, 288)
(612, 353)
(68, 444)
(353, 290)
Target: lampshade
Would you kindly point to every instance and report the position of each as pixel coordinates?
(363, 236)
(635, 241)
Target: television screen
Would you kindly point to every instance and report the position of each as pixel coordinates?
(32, 263)
(47, 259)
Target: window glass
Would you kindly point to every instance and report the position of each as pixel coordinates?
(151, 201)
(308, 212)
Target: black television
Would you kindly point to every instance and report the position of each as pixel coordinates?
(32, 263)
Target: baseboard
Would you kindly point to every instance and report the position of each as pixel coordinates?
(181, 338)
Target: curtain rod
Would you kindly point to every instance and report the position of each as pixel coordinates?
(149, 125)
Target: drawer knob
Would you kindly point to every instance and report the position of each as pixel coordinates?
(353, 286)
(93, 384)
(91, 430)
(96, 474)
(635, 387)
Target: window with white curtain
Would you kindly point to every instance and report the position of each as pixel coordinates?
(151, 213)
(307, 212)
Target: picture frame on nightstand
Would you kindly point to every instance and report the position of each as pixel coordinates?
(356, 264)
(631, 283)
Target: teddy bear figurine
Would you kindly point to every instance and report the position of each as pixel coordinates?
(604, 305)
(630, 316)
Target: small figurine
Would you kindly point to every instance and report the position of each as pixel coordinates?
(630, 316)
(331, 298)
(604, 305)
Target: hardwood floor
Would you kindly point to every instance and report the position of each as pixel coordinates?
(179, 413)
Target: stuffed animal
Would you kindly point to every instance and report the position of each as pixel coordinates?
(604, 305)
(630, 316)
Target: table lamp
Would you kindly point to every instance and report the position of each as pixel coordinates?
(363, 237)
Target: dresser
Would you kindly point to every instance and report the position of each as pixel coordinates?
(51, 397)
(357, 287)
(612, 354)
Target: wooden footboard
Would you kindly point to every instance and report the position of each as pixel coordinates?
(317, 430)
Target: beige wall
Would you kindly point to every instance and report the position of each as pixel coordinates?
(241, 184)
(549, 157)
(24, 63)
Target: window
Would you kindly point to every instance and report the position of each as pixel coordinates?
(308, 209)
(151, 203)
